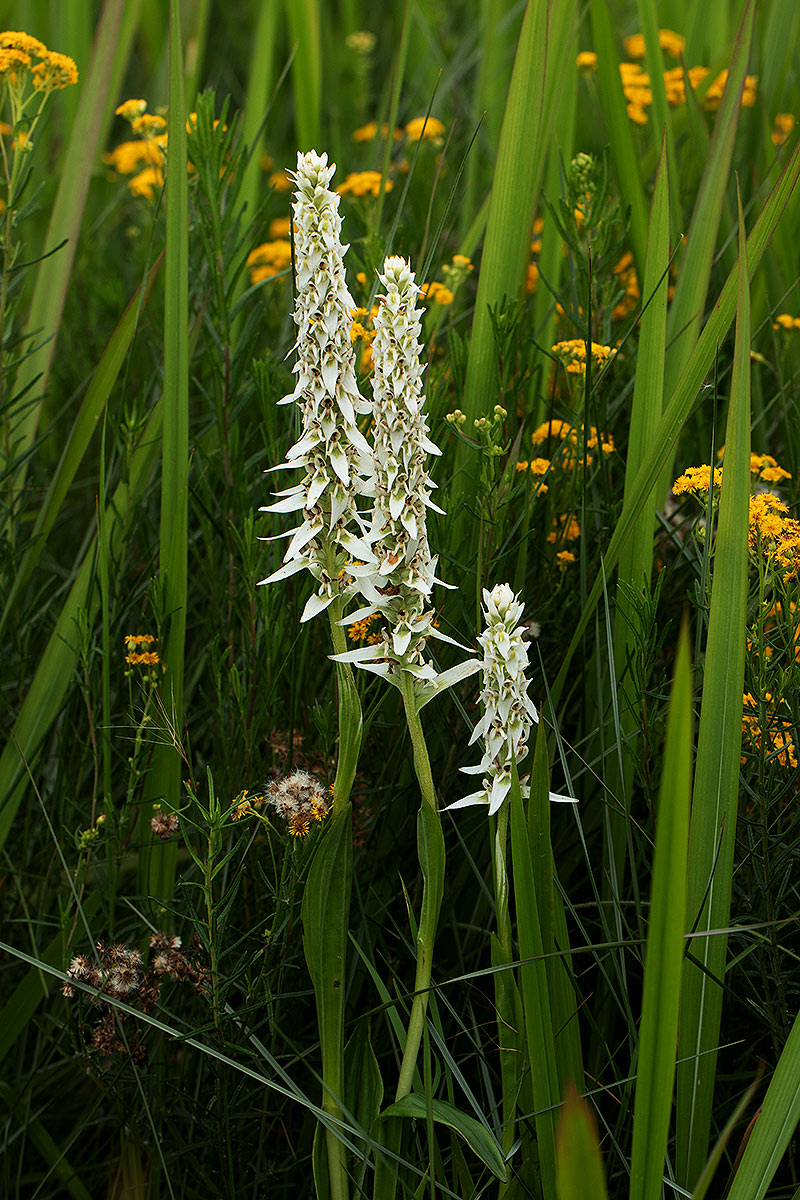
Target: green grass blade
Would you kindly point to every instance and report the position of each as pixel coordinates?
(259, 87)
(658, 1035)
(547, 31)
(716, 789)
(553, 923)
(535, 993)
(477, 1136)
(685, 393)
(54, 675)
(774, 1127)
(306, 34)
(620, 134)
(164, 782)
(636, 558)
(688, 303)
(660, 112)
(94, 402)
(53, 273)
(580, 1167)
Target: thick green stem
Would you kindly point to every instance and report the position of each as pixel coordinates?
(509, 1015)
(430, 844)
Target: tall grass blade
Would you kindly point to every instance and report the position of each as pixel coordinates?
(580, 1166)
(306, 33)
(688, 303)
(658, 1035)
(535, 993)
(547, 31)
(53, 273)
(636, 558)
(620, 134)
(164, 783)
(94, 402)
(685, 393)
(716, 787)
(774, 1127)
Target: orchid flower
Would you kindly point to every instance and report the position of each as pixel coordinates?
(509, 713)
(334, 454)
(397, 578)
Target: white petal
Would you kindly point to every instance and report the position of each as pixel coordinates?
(316, 604)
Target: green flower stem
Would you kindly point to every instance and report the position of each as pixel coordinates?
(507, 1002)
(430, 844)
(328, 891)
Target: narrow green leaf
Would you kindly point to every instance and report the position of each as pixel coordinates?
(580, 1167)
(716, 787)
(547, 32)
(477, 1136)
(535, 993)
(94, 402)
(555, 937)
(774, 1127)
(636, 557)
(691, 290)
(658, 1035)
(306, 33)
(164, 780)
(618, 124)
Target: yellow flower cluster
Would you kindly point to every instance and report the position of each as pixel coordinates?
(566, 529)
(573, 355)
(784, 124)
(776, 729)
(672, 43)
(140, 658)
(566, 431)
(359, 631)
(363, 183)
(429, 129)
(301, 822)
(636, 82)
(772, 533)
(366, 133)
(696, 481)
(786, 321)
(18, 52)
(269, 259)
(625, 272)
(362, 331)
(436, 293)
(144, 158)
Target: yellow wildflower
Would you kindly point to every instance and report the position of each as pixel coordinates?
(10, 39)
(128, 157)
(784, 124)
(148, 124)
(436, 293)
(363, 183)
(586, 61)
(147, 182)
(280, 181)
(366, 133)
(55, 71)
(426, 128)
(131, 109)
(269, 259)
(566, 529)
(696, 480)
(565, 557)
(280, 227)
